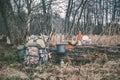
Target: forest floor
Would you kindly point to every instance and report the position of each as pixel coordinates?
(11, 69)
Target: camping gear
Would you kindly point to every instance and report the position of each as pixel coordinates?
(69, 47)
(79, 36)
(35, 51)
(60, 49)
(86, 40)
(43, 56)
(41, 43)
(20, 47)
(21, 53)
(79, 43)
(31, 43)
(32, 55)
(62, 62)
(36, 42)
(73, 43)
(35, 55)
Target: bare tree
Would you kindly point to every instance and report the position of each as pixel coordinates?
(9, 19)
(68, 15)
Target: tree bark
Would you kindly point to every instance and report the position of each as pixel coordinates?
(9, 19)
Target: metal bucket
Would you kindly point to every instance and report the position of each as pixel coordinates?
(60, 49)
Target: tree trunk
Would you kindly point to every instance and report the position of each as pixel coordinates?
(9, 19)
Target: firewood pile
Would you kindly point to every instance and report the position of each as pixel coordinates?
(80, 46)
(95, 48)
(91, 52)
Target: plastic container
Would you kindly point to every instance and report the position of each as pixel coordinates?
(20, 47)
(21, 55)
